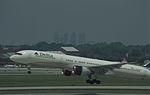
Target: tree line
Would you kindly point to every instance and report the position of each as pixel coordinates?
(114, 51)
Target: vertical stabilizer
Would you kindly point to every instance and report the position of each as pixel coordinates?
(147, 65)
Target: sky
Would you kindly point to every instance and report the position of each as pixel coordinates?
(32, 21)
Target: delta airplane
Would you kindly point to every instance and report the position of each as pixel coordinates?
(73, 65)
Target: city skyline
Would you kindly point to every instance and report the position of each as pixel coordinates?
(69, 38)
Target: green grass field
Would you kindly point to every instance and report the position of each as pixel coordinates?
(58, 80)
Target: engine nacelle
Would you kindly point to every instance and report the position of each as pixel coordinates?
(78, 70)
(67, 72)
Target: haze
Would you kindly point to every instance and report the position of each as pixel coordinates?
(31, 21)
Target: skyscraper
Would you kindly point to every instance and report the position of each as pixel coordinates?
(81, 38)
(73, 38)
(56, 37)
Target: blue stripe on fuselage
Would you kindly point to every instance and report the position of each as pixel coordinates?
(147, 68)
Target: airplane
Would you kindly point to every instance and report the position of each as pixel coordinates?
(74, 65)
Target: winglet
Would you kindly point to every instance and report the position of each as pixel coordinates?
(124, 61)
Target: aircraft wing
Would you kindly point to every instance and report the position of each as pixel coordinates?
(105, 68)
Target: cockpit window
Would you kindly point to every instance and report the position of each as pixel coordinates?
(18, 53)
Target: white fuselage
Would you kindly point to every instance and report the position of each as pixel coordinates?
(52, 60)
(134, 71)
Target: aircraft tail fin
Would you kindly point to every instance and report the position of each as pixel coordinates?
(147, 65)
(124, 61)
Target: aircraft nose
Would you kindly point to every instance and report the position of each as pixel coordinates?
(15, 58)
(12, 58)
(19, 58)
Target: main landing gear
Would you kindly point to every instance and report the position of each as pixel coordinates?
(92, 81)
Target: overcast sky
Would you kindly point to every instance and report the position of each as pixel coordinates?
(31, 21)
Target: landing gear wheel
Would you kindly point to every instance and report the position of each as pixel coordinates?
(97, 81)
(92, 81)
(29, 68)
(89, 81)
(29, 72)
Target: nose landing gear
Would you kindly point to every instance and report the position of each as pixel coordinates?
(29, 69)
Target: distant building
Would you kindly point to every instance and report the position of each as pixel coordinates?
(9, 49)
(73, 38)
(57, 52)
(56, 38)
(81, 38)
(69, 50)
(65, 38)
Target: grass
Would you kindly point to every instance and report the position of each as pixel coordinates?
(59, 80)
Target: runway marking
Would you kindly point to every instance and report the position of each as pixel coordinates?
(78, 88)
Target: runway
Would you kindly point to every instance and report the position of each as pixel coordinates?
(35, 71)
(62, 90)
(77, 90)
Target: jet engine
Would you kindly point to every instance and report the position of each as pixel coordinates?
(67, 72)
(76, 70)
